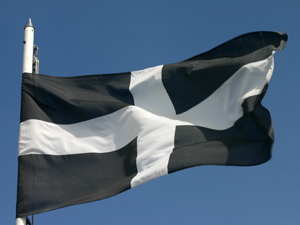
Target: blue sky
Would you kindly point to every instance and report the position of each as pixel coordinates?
(98, 37)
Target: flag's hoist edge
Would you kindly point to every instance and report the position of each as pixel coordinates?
(91, 137)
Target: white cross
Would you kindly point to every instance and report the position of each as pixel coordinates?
(152, 120)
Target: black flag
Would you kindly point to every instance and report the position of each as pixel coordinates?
(87, 138)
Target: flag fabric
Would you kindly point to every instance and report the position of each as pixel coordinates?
(87, 138)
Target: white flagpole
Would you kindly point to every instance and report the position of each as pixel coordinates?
(27, 68)
(28, 47)
(21, 221)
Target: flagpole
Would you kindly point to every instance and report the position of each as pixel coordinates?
(27, 68)
(28, 47)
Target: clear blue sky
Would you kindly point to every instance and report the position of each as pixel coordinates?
(109, 36)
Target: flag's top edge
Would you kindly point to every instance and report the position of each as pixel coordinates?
(253, 41)
(73, 77)
(277, 40)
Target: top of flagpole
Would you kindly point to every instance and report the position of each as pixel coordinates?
(29, 24)
(28, 47)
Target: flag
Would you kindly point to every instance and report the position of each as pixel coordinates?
(87, 138)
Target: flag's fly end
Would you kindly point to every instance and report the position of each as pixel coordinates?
(283, 42)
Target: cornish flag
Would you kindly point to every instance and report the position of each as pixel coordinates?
(87, 138)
